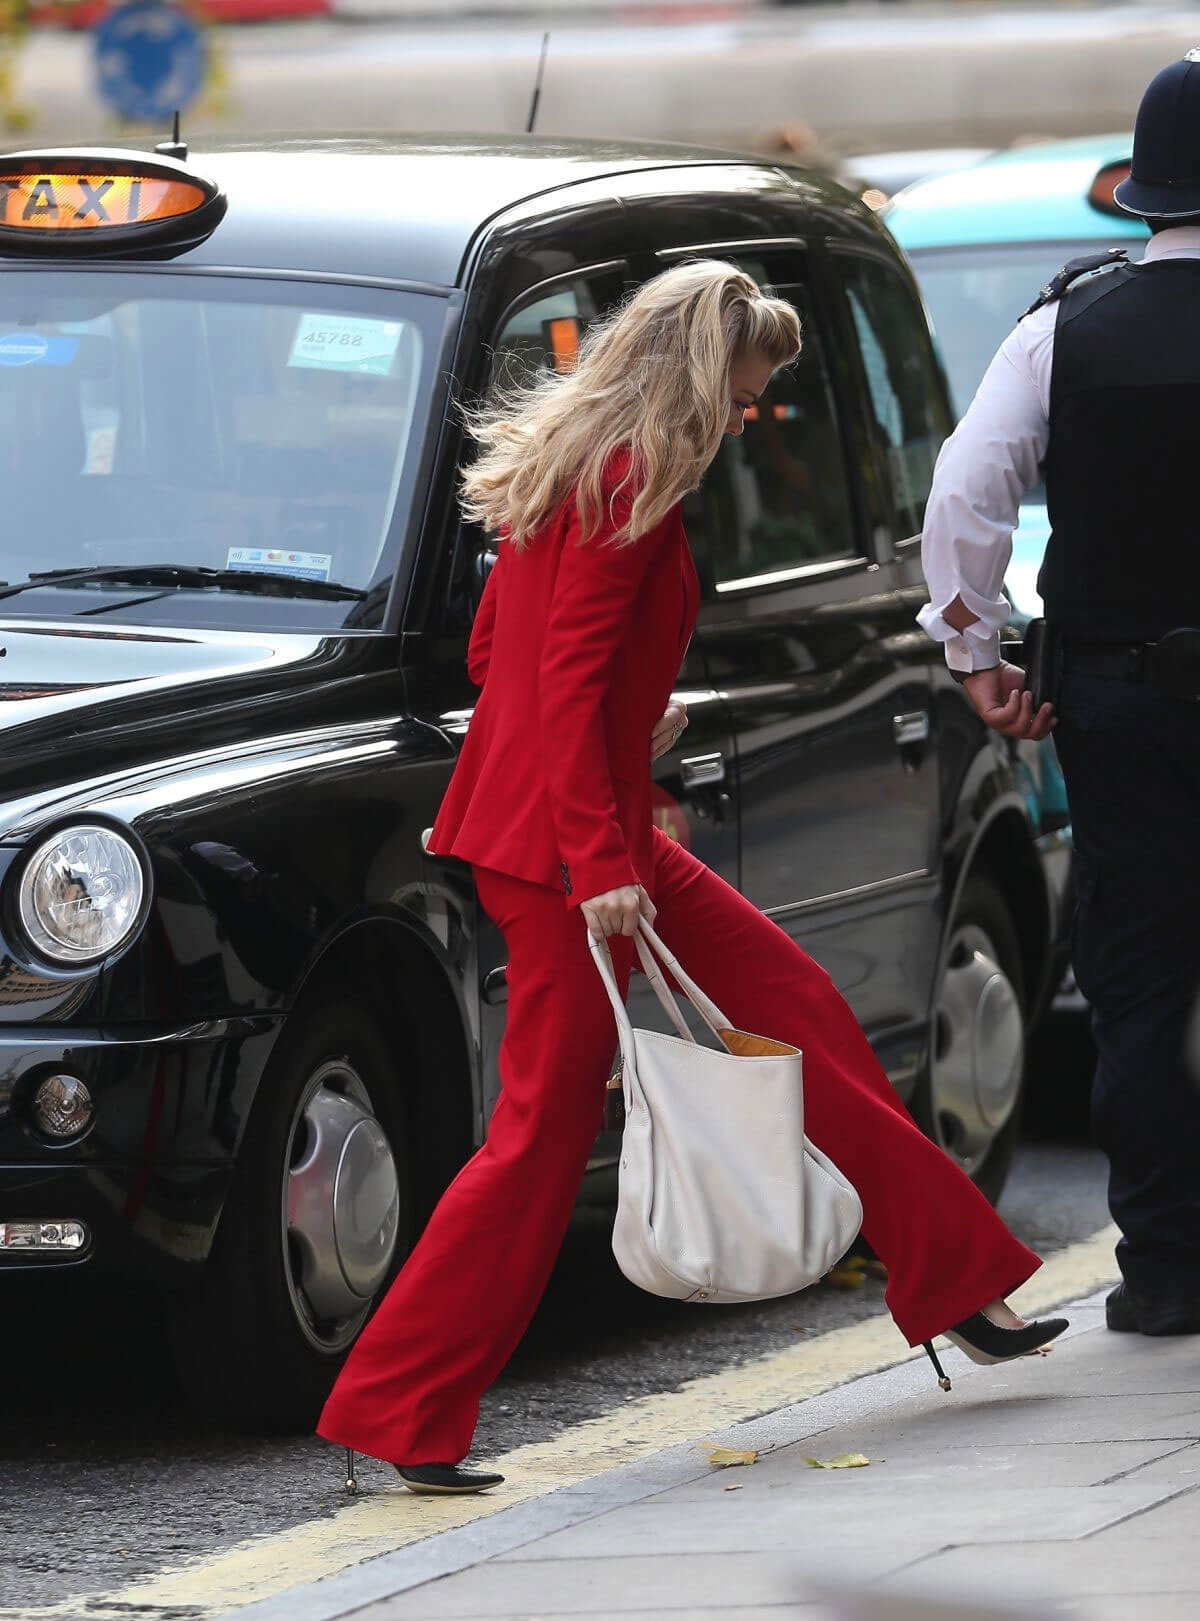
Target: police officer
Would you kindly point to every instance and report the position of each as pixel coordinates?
(1098, 390)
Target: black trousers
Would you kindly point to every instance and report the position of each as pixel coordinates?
(1131, 759)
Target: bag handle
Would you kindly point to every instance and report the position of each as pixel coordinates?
(661, 989)
(704, 1005)
(602, 957)
(651, 950)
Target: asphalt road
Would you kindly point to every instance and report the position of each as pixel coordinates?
(107, 1475)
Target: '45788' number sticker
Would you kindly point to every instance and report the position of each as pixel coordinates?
(345, 343)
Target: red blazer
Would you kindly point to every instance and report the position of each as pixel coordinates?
(577, 647)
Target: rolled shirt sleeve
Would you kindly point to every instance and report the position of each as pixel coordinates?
(991, 459)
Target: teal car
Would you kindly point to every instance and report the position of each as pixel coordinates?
(982, 241)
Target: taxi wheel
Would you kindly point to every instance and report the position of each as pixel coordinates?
(971, 1095)
(316, 1223)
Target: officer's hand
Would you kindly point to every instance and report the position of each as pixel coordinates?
(617, 910)
(1001, 702)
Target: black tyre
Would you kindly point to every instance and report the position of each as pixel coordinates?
(316, 1222)
(971, 1095)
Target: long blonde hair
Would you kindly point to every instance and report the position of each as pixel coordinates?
(651, 379)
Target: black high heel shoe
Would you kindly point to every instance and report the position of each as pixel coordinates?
(986, 1342)
(445, 1479)
(431, 1479)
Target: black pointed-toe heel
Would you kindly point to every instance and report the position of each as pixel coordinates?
(445, 1479)
(351, 1475)
(986, 1342)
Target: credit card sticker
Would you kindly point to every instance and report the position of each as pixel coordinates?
(263, 560)
(345, 343)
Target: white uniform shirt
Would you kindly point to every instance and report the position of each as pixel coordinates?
(986, 466)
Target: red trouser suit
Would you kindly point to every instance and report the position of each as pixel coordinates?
(410, 1391)
(580, 645)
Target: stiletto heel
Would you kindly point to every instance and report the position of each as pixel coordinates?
(942, 1380)
(351, 1477)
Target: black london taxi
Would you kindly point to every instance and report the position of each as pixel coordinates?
(248, 1029)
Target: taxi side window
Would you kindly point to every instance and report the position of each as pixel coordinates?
(544, 334)
(907, 417)
(776, 500)
(541, 336)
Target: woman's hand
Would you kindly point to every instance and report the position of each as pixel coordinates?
(669, 729)
(617, 911)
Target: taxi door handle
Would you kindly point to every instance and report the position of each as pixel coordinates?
(910, 729)
(702, 770)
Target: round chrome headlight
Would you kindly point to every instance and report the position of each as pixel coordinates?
(81, 895)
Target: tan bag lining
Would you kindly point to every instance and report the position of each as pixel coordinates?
(743, 1045)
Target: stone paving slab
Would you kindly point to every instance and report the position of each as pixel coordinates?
(835, 1517)
(1181, 1464)
(1057, 1463)
(601, 1586)
(1177, 1518)
(1061, 1576)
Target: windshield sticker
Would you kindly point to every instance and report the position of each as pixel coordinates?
(101, 451)
(345, 343)
(259, 560)
(36, 349)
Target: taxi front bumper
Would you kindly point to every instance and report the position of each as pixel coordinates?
(148, 1175)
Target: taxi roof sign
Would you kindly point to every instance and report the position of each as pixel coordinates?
(102, 202)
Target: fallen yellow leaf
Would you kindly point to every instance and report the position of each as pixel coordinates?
(727, 1458)
(845, 1460)
(845, 1277)
(852, 1271)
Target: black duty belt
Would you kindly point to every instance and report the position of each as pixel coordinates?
(1171, 664)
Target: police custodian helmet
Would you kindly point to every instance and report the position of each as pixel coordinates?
(1164, 182)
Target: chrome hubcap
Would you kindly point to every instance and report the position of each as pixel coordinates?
(341, 1206)
(978, 1048)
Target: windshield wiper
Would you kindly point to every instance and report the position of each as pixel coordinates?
(191, 575)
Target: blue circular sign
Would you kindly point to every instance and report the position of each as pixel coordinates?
(151, 58)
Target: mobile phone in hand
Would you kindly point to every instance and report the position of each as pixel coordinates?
(1043, 652)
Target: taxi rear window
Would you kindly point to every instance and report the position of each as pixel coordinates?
(222, 422)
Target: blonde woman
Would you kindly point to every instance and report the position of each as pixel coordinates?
(577, 644)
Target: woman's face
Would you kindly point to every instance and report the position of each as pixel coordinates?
(748, 378)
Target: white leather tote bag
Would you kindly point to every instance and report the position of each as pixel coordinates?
(722, 1197)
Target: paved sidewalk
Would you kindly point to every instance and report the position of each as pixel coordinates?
(1065, 1484)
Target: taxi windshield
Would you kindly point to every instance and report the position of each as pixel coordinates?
(262, 437)
(976, 295)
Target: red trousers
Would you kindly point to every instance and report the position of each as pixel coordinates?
(410, 1390)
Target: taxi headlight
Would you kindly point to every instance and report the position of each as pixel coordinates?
(81, 895)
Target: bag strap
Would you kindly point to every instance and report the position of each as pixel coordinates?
(704, 1005)
(602, 958)
(651, 951)
(661, 989)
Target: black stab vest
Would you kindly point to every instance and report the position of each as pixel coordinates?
(1123, 466)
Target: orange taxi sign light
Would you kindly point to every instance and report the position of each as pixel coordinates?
(564, 332)
(102, 202)
(93, 202)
